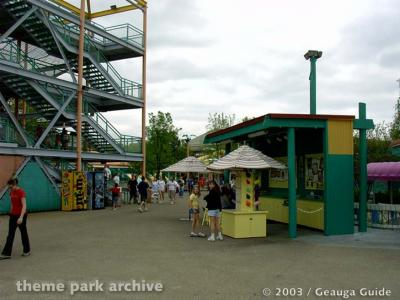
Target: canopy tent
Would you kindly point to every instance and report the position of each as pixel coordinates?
(385, 171)
(190, 164)
(245, 157)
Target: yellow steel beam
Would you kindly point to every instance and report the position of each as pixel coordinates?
(67, 5)
(76, 10)
(113, 11)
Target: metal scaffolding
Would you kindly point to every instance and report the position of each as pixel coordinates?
(57, 77)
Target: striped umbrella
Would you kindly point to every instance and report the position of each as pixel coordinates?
(190, 164)
(246, 157)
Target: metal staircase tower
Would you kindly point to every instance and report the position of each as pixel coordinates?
(39, 48)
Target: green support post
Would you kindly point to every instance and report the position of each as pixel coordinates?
(362, 210)
(313, 86)
(228, 149)
(292, 184)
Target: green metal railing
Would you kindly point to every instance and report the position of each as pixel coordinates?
(7, 132)
(69, 32)
(127, 142)
(13, 53)
(126, 32)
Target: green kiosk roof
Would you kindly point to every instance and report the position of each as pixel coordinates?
(259, 124)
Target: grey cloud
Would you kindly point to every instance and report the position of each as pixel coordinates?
(177, 23)
(174, 69)
(366, 38)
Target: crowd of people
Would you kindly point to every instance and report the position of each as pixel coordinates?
(142, 190)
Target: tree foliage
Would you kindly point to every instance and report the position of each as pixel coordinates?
(163, 144)
(219, 121)
(378, 144)
(395, 126)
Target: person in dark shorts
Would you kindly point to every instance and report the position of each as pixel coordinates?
(142, 188)
(214, 207)
(18, 218)
(132, 187)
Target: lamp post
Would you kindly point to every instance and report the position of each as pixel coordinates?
(187, 139)
(313, 55)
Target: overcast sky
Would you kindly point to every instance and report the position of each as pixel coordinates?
(246, 58)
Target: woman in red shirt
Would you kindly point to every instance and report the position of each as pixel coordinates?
(18, 218)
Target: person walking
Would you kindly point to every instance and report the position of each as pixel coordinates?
(142, 188)
(214, 210)
(18, 218)
(161, 189)
(132, 188)
(194, 208)
(172, 185)
(155, 194)
(181, 183)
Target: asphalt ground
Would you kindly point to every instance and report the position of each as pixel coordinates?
(74, 249)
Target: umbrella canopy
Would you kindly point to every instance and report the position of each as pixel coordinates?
(190, 164)
(246, 157)
(385, 171)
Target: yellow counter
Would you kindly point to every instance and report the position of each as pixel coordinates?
(242, 224)
(309, 213)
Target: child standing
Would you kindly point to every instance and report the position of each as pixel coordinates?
(195, 211)
(115, 192)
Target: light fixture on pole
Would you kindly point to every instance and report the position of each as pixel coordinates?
(313, 55)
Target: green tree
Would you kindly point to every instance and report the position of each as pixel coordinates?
(163, 144)
(219, 121)
(395, 126)
(378, 143)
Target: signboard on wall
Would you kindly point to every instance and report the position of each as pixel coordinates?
(314, 171)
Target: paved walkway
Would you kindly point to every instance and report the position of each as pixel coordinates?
(124, 245)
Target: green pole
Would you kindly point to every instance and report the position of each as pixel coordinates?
(362, 210)
(313, 86)
(292, 184)
(228, 148)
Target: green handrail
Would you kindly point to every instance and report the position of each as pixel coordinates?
(129, 33)
(125, 141)
(128, 87)
(13, 53)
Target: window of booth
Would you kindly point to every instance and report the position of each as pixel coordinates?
(309, 164)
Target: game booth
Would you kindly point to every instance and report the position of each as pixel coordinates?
(317, 188)
(245, 163)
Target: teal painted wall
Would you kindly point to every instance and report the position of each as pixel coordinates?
(339, 194)
(396, 150)
(40, 194)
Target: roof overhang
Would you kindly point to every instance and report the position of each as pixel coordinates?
(273, 120)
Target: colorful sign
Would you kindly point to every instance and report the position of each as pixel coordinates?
(314, 172)
(66, 190)
(80, 191)
(245, 191)
(74, 191)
